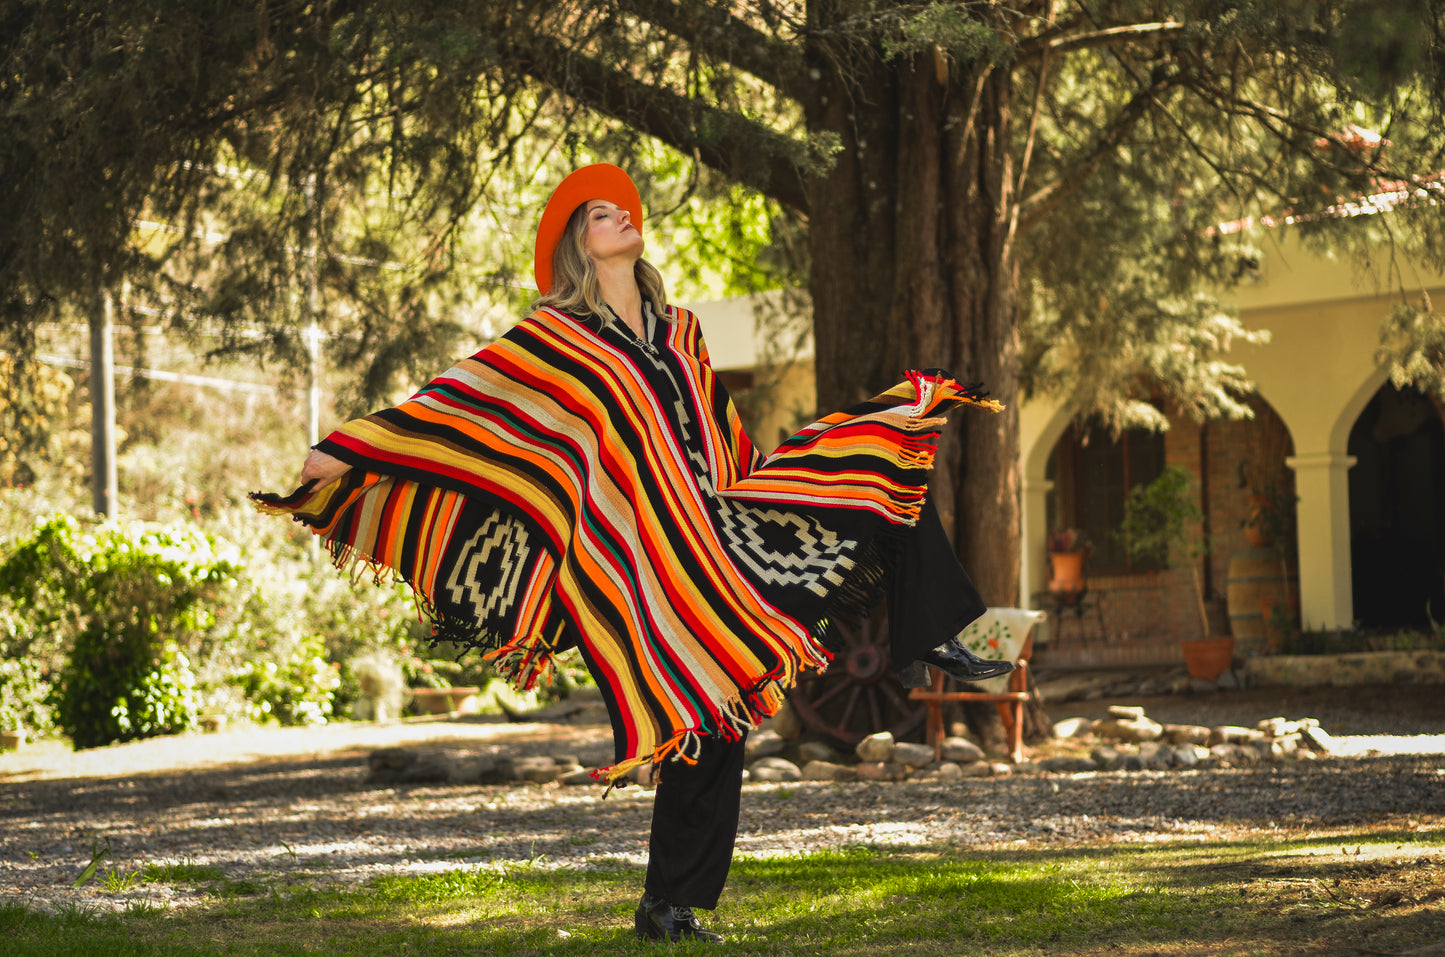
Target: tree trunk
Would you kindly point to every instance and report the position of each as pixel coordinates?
(910, 270)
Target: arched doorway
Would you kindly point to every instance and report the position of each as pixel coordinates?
(1397, 510)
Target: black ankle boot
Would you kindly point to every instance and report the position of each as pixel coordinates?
(956, 661)
(656, 919)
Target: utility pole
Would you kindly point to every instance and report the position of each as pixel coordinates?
(103, 480)
(311, 255)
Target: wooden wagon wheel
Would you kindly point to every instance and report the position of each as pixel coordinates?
(859, 694)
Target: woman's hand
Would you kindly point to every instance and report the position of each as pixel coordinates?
(324, 468)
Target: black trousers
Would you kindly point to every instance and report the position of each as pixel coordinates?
(695, 825)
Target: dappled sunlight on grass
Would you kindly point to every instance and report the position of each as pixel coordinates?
(1246, 897)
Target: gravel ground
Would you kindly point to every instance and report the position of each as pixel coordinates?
(273, 805)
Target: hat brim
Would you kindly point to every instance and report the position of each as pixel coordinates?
(598, 181)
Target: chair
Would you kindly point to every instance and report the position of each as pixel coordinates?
(999, 633)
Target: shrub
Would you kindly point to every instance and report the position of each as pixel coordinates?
(297, 689)
(25, 689)
(135, 602)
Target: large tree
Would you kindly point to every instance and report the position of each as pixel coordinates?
(1027, 194)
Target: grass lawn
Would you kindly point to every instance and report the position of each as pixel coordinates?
(1382, 895)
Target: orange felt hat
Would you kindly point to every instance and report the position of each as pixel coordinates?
(598, 181)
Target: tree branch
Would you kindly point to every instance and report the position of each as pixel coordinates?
(1109, 36)
(711, 30)
(750, 153)
(1048, 198)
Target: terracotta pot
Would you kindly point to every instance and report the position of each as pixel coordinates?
(444, 700)
(1068, 571)
(11, 740)
(1206, 658)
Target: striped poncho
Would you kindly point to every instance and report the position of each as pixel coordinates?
(573, 484)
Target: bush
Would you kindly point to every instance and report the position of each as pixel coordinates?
(298, 689)
(25, 688)
(135, 602)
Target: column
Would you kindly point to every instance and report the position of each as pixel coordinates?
(1327, 598)
(1034, 528)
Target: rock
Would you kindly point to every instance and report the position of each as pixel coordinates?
(1200, 686)
(913, 755)
(391, 759)
(577, 776)
(880, 771)
(762, 744)
(1230, 680)
(876, 748)
(960, 730)
(1279, 727)
(472, 769)
(1071, 728)
(817, 751)
(948, 771)
(1186, 733)
(961, 751)
(775, 769)
(787, 723)
(1130, 729)
(1132, 762)
(645, 775)
(1234, 755)
(1156, 756)
(1107, 758)
(1284, 747)
(1184, 756)
(565, 759)
(405, 765)
(1068, 765)
(1317, 739)
(1232, 734)
(502, 771)
(1000, 770)
(1126, 712)
(827, 771)
(976, 769)
(538, 770)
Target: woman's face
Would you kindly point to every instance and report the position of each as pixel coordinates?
(610, 234)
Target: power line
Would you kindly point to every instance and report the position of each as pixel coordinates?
(183, 378)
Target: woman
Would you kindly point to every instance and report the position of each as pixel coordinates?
(585, 482)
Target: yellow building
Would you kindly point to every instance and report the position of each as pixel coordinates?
(1366, 461)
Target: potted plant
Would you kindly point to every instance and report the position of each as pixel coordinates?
(1067, 547)
(432, 691)
(1263, 602)
(1160, 525)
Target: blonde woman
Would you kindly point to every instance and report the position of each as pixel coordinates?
(585, 482)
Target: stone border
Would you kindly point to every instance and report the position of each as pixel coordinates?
(1342, 671)
(1129, 740)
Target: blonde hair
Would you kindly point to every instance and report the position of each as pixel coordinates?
(575, 288)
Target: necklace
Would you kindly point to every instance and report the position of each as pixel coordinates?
(642, 342)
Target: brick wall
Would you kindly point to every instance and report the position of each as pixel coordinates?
(1161, 606)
